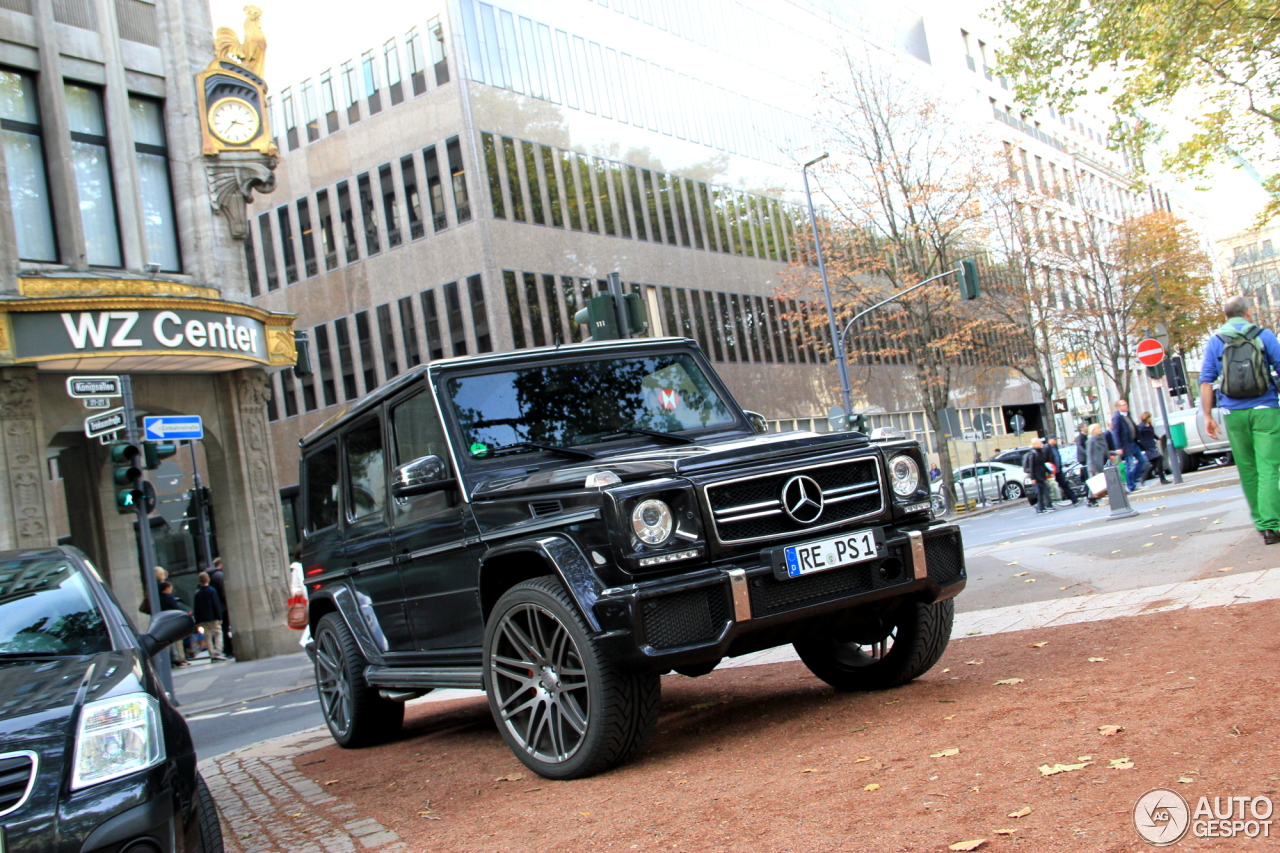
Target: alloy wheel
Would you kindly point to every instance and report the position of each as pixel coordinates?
(334, 687)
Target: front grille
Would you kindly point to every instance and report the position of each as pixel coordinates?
(685, 618)
(770, 595)
(750, 509)
(16, 770)
(945, 558)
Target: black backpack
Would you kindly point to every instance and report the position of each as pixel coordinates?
(1029, 462)
(1245, 371)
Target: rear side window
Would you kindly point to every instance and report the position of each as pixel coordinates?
(322, 489)
(417, 429)
(368, 482)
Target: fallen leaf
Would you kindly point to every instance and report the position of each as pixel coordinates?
(952, 750)
(1053, 553)
(968, 845)
(1173, 537)
(1014, 563)
(510, 777)
(948, 669)
(1029, 580)
(1097, 660)
(331, 782)
(951, 717)
(1108, 731)
(874, 786)
(1117, 551)
(1041, 644)
(1022, 574)
(1121, 763)
(809, 770)
(859, 729)
(861, 758)
(894, 701)
(974, 632)
(1009, 681)
(1227, 569)
(1050, 770)
(702, 706)
(1064, 588)
(1084, 758)
(428, 812)
(1005, 831)
(296, 814)
(585, 814)
(1219, 521)
(1022, 812)
(974, 662)
(1185, 780)
(1148, 545)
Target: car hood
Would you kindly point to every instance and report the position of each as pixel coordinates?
(38, 697)
(677, 460)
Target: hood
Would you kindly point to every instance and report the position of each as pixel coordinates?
(40, 693)
(677, 460)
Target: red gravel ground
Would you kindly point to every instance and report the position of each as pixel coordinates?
(769, 758)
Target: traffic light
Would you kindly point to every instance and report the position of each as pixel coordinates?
(1177, 375)
(600, 318)
(858, 423)
(154, 451)
(127, 476)
(1156, 371)
(969, 279)
(637, 314)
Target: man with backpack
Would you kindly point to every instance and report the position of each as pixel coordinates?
(1243, 356)
(1035, 463)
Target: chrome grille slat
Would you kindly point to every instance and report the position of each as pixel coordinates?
(870, 485)
(745, 507)
(764, 514)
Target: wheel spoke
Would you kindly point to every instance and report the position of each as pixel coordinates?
(529, 704)
(553, 727)
(520, 640)
(537, 722)
(573, 714)
(515, 671)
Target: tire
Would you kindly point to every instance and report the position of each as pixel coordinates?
(356, 715)
(903, 646)
(1012, 491)
(208, 827)
(562, 706)
(1187, 462)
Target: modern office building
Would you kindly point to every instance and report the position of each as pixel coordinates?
(119, 255)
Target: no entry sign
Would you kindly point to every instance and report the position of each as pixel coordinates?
(1150, 352)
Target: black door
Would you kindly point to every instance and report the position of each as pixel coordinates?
(433, 537)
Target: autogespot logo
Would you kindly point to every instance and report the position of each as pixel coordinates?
(1161, 816)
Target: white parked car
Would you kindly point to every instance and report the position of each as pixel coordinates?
(985, 480)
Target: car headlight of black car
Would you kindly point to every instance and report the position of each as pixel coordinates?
(116, 737)
(659, 526)
(904, 475)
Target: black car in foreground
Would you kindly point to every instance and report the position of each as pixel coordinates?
(562, 526)
(93, 757)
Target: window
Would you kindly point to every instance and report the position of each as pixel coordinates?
(309, 114)
(366, 479)
(588, 193)
(391, 56)
(479, 316)
(347, 216)
(286, 243)
(350, 93)
(453, 308)
(250, 260)
(290, 395)
(273, 414)
(290, 118)
(514, 312)
(637, 202)
(676, 193)
(417, 63)
(327, 246)
(324, 360)
(416, 426)
(461, 200)
(365, 342)
(602, 190)
(97, 199)
(322, 488)
(513, 179)
(155, 193)
(20, 137)
(431, 320)
(435, 190)
(345, 361)
(390, 363)
(308, 382)
(268, 252)
(666, 200)
(327, 102)
(369, 213)
(409, 332)
(412, 201)
(553, 187)
(389, 211)
(727, 328)
(535, 191)
(571, 191)
(535, 310)
(495, 181)
(655, 227)
(438, 59)
(369, 73)
(307, 236)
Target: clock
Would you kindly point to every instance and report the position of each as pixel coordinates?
(235, 121)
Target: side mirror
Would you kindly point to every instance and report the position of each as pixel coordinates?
(167, 627)
(757, 421)
(422, 475)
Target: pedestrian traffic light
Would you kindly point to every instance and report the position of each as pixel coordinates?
(154, 451)
(637, 314)
(600, 318)
(127, 476)
(1177, 375)
(969, 279)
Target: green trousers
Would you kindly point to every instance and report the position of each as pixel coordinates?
(1255, 442)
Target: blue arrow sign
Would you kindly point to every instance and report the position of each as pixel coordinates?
(171, 427)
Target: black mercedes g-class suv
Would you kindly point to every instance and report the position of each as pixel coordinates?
(562, 526)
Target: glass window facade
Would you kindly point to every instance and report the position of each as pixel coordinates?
(97, 200)
(307, 236)
(364, 343)
(453, 312)
(390, 210)
(346, 360)
(268, 251)
(409, 332)
(431, 325)
(154, 190)
(324, 365)
(458, 174)
(286, 244)
(435, 189)
(369, 214)
(412, 198)
(21, 138)
(387, 338)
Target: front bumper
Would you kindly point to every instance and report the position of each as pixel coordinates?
(705, 615)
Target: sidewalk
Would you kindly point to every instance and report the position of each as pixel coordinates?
(206, 685)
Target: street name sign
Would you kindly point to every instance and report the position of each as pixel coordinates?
(172, 427)
(1150, 353)
(112, 421)
(93, 386)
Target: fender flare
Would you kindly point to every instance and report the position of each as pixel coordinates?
(344, 601)
(566, 558)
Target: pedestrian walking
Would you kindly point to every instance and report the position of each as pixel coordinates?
(1125, 432)
(208, 613)
(1036, 463)
(1150, 448)
(1082, 444)
(217, 580)
(1244, 356)
(169, 601)
(1058, 475)
(935, 473)
(1097, 454)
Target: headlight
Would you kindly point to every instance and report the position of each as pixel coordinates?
(117, 737)
(904, 475)
(651, 520)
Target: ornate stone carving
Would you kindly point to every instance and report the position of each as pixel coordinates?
(17, 396)
(23, 462)
(252, 391)
(231, 186)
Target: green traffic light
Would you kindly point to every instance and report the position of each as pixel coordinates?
(969, 279)
(154, 451)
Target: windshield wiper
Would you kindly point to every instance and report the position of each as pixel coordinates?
(21, 655)
(516, 447)
(652, 433)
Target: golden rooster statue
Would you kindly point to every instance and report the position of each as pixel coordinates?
(252, 52)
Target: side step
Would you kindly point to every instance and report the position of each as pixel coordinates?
(419, 678)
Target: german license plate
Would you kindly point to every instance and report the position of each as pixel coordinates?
(844, 550)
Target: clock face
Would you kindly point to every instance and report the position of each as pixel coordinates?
(233, 120)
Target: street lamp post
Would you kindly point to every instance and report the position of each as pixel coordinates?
(837, 339)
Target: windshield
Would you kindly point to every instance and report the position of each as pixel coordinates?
(581, 402)
(46, 609)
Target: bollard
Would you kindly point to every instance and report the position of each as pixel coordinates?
(1117, 494)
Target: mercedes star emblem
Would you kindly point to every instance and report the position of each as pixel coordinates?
(802, 499)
